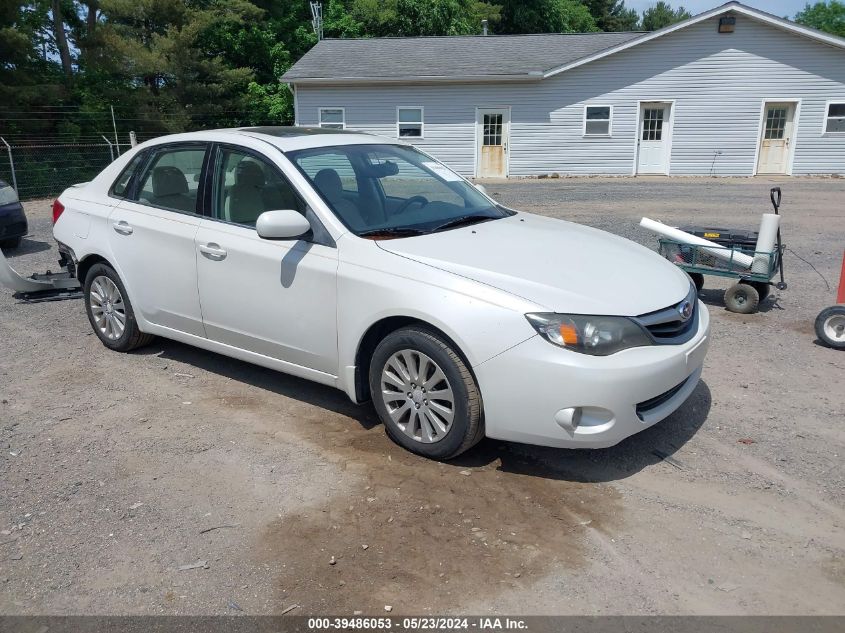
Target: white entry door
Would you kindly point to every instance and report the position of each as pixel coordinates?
(493, 129)
(655, 138)
(775, 138)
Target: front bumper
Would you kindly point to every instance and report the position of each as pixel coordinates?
(526, 387)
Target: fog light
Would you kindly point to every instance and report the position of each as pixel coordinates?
(569, 419)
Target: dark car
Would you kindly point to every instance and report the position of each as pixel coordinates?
(13, 224)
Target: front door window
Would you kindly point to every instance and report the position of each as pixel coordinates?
(245, 186)
(653, 124)
(775, 123)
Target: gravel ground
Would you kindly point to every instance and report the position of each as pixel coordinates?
(117, 472)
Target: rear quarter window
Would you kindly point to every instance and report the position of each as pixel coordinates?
(121, 186)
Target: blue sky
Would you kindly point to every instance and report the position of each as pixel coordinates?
(779, 8)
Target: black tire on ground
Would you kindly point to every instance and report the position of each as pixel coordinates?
(830, 326)
(742, 298)
(762, 289)
(12, 243)
(698, 280)
(132, 337)
(466, 428)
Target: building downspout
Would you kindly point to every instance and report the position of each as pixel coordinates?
(292, 89)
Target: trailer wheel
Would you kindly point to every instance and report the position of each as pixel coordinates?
(830, 326)
(698, 280)
(742, 298)
(762, 289)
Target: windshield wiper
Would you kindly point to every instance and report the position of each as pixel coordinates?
(391, 233)
(463, 220)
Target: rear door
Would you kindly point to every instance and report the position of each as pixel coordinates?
(152, 237)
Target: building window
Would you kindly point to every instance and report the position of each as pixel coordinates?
(409, 122)
(333, 118)
(597, 120)
(835, 118)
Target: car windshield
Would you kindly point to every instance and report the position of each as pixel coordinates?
(392, 190)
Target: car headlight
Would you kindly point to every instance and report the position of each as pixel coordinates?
(596, 335)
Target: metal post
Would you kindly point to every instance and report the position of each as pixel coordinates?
(111, 152)
(133, 140)
(114, 125)
(11, 165)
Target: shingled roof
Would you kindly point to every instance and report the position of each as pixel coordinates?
(495, 57)
(473, 56)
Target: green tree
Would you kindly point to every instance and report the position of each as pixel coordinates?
(613, 15)
(381, 18)
(546, 16)
(825, 16)
(188, 56)
(662, 15)
(28, 76)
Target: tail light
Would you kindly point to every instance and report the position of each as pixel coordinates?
(58, 209)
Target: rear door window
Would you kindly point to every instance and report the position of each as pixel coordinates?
(172, 179)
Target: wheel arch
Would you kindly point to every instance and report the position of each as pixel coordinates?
(86, 263)
(377, 332)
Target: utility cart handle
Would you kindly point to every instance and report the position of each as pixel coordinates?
(775, 195)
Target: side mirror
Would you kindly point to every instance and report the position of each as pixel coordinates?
(482, 189)
(282, 225)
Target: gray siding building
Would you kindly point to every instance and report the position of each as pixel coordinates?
(731, 92)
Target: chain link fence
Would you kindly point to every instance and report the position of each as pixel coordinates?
(45, 170)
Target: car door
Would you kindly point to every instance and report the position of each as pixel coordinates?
(274, 298)
(152, 237)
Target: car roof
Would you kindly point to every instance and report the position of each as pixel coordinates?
(286, 138)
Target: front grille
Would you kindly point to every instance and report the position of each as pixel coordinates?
(667, 326)
(653, 403)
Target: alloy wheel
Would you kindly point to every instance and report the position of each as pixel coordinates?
(107, 307)
(418, 396)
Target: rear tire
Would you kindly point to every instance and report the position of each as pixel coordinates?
(742, 298)
(110, 312)
(762, 289)
(830, 326)
(425, 394)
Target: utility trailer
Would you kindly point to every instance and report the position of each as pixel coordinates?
(753, 283)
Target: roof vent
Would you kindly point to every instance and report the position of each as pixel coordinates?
(484, 27)
(727, 24)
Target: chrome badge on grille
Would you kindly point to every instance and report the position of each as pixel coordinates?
(685, 310)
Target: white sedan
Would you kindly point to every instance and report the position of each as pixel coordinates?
(362, 263)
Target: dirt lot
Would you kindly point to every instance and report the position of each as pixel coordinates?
(115, 467)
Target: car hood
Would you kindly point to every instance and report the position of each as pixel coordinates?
(562, 266)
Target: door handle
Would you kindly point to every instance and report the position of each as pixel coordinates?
(122, 227)
(213, 251)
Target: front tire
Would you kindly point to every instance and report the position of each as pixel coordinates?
(425, 394)
(110, 311)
